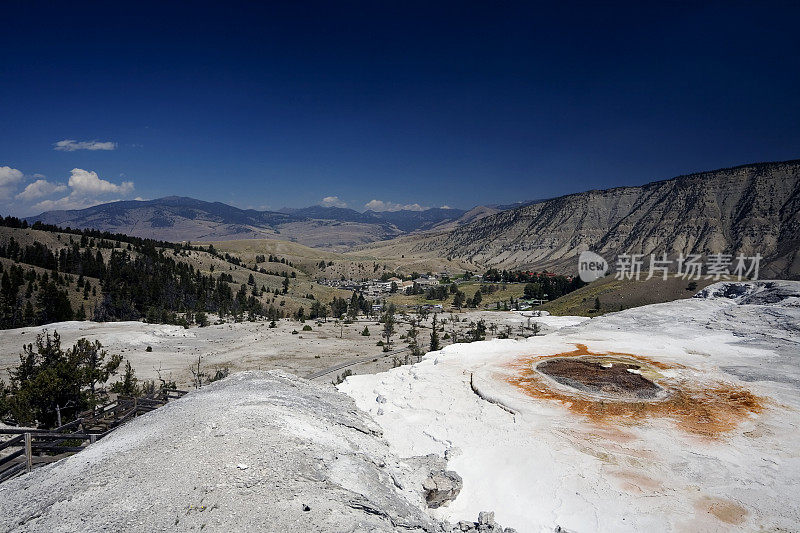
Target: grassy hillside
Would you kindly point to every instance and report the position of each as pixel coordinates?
(200, 260)
(131, 278)
(616, 295)
(414, 253)
(75, 294)
(351, 265)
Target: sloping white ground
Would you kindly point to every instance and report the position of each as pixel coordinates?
(544, 465)
(259, 451)
(547, 322)
(240, 346)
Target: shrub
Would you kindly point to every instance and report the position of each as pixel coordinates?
(340, 378)
(294, 332)
(365, 333)
(306, 328)
(148, 349)
(221, 373)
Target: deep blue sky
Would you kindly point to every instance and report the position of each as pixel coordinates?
(282, 104)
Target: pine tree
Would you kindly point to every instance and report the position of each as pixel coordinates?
(53, 304)
(388, 325)
(476, 300)
(353, 308)
(458, 300)
(49, 380)
(411, 337)
(434, 336)
(96, 370)
(128, 385)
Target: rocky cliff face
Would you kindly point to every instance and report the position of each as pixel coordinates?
(748, 209)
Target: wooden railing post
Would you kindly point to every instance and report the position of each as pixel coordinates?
(28, 453)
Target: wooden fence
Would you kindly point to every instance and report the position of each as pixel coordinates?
(32, 447)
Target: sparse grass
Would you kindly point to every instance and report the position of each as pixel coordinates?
(617, 295)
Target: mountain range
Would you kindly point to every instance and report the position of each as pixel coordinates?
(177, 218)
(405, 220)
(747, 209)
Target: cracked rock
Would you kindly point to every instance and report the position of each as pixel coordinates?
(441, 488)
(485, 524)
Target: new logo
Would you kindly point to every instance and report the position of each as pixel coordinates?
(591, 266)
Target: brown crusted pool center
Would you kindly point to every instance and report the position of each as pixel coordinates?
(623, 388)
(618, 379)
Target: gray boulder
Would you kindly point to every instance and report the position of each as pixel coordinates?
(441, 488)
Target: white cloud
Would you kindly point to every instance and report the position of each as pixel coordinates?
(9, 177)
(446, 207)
(66, 203)
(86, 190)
(70, 145)
(39, 189)
(380, 205)
(87, 182)
(332, 201)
